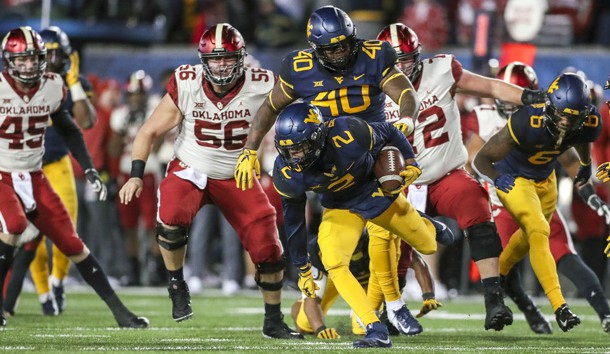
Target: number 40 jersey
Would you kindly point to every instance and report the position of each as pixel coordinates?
(214, 130)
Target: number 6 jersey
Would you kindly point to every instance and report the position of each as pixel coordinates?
(23, 120)
(214, 130)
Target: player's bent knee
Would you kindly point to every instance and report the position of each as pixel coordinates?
(427, 248)
(270, 268)
(484, 241)
(173, 238)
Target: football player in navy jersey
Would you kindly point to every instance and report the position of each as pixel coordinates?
(520, 159)
(340, 74)
(335, 159)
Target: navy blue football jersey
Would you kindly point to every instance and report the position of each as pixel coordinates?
(54, 146)
(353, 92)
(536, 151)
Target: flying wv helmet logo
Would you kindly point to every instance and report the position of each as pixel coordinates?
(554, 86)
(312, 117)
(309, 28)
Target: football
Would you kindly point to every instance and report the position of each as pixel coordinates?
(388, 166)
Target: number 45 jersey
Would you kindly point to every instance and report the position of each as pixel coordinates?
(24, 119)
(355, 91)
(214, 130)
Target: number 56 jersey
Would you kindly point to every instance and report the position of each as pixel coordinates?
(214, 130)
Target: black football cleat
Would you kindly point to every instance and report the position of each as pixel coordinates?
(49, 307)
(377, 336)
(135, 322)
(2, 320)
(497, 314)
(60, 297)
(566, 319)
(181, 300)
(278, 329)
(606, 323)
(405, 322)
(537, 322)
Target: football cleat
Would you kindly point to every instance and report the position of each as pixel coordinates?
(60, 297)
(444, 235)
(536, 321)
(497, 314)
(606, 323)
(383, 317)
(49, 307)
(377, 336)
(2, 320)
(566, 319)
(278, 329)
(181, 300)
(404, 322)
(136, 322)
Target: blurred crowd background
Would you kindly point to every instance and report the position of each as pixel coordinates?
(118, 38)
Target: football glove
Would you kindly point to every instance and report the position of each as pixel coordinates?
(430, 303)
(583, 175)
(73, 72)
(505, 182)
(246, 162)
(306, 283)
(405, 125)
(533, 96)
(600, 207)
(602, 172)
(409, 175)
(96, 183)
(607, 250)
(327, 333)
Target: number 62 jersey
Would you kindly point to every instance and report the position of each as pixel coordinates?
(214, 130)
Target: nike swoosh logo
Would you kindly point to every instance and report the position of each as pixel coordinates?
(358, 77)
(385, 341)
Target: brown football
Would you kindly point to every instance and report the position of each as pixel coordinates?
(388, 166)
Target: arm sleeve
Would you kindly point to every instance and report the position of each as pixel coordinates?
(72, 135)
(296, 231)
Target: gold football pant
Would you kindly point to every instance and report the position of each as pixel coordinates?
(532, 204)
(338, 237)
(61, 177)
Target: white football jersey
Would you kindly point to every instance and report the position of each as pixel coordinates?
(23, 121)
(214, 130)
(489, 122)
(437, 139)
(124, 123)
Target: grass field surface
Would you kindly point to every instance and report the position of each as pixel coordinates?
(233, 324)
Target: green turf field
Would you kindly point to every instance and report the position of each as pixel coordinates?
(233, 324)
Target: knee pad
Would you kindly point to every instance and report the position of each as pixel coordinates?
(484, 241)
(270, 268)
(178, 237)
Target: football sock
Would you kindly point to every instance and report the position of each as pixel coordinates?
(394, 305)
(6, 257)
(21, 264)
(39, 268)
(383, 262)
(373, 292)
(515, 291)
(573, 267)
(352, 292)
(273, 310)
(545, 268)
(94, 275)
(176, 275)
(61, 264)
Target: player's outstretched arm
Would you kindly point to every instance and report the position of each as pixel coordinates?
(494, 150)
(165, 117)
(396, 85)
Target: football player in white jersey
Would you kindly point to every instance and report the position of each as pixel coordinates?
(487, 120)
(29, 100)
(445, 187)
(213, 104)
(125, 121)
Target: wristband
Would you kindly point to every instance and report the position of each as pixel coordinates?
(137, 168)
(77, 92)
(428, 295)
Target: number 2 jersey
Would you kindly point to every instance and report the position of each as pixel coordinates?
(24, 119)
(535, 154)
(355, 91)
(214, 130)
(437, 138)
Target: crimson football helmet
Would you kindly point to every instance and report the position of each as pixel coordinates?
(519, 74)
(222, 41)
(407, 46)
(23, 42)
